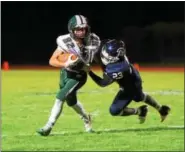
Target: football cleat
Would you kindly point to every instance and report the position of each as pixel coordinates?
(142, 113)
(45, 131)
(164, 111)
(87, 123)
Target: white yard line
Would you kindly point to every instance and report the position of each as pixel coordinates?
(107, 91)
(100, 130)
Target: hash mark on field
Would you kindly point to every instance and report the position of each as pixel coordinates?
(106, 130)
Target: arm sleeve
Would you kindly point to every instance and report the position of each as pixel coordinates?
(99, 81)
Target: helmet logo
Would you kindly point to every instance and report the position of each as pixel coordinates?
(110, 47)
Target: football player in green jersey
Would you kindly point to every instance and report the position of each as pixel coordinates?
(84, 44)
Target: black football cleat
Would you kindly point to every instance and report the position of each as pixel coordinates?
(142, 112)
(164, 111)
(44, 131)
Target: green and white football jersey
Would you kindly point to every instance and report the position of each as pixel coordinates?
(85, 53)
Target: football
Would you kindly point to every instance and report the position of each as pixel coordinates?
(64, 57)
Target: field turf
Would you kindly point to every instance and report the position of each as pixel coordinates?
(28, 95)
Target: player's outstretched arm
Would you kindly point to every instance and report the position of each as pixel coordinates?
(53, 61)
(99, 81)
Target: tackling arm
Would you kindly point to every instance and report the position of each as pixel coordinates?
(99, 81)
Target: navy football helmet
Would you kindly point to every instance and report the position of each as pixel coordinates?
(112, 50)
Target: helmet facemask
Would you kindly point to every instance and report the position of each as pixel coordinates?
(112, 51)
(80, 32)
(106, 58)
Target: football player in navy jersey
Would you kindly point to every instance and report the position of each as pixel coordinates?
(116, 68)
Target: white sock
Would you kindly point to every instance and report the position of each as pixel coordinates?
(80, 110)
(55, 112)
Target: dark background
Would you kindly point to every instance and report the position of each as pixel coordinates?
(153, 31)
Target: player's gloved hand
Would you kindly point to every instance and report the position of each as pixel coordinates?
(90, 50)
(70, 62)
(90, 47)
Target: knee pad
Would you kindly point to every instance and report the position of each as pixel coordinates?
(71, 103)
(71, 100)
(114, 111)
(139, 97)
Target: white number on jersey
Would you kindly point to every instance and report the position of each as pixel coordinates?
(118, 75)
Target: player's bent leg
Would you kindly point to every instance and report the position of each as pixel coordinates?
(129, 111)
(115, 110)
(162, 109)
(121, 101)
(77, 106)
(119, 108)
(55, 113)
(141, 111)
(140, 96)
(71, 99)
(151, 101)
(66, 85)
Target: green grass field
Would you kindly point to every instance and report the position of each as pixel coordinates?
(27, 98)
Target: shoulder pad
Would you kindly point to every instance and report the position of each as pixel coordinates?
(61, 41)
(94, 37)
(94, 40)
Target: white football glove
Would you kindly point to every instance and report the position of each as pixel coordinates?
(70, 62)
(91, 50)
